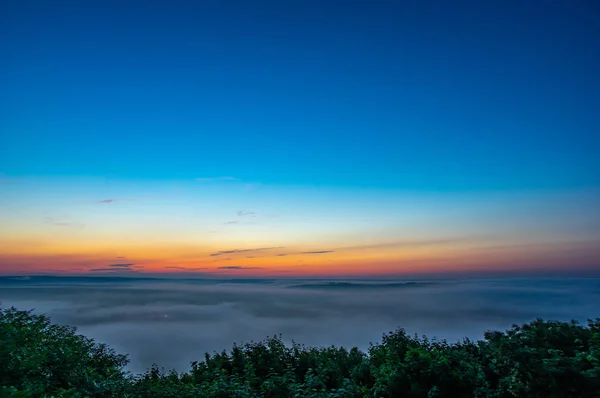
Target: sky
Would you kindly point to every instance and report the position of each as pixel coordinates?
(299, 138)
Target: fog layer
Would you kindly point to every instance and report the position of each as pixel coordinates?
(173, 323)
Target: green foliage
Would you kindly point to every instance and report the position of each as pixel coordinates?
(39, 359)
(539, 359)
(544, 359)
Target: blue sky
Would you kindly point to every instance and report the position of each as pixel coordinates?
(411, 94)
(381, 99)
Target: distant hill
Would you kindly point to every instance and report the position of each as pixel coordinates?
(94, 280)
(360, 285)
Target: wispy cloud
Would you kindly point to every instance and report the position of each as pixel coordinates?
(245, 213)
(115, 270)
(238, 267)
(184, 268)
(116, 200)
(216, 179)
(119, 268)
(235, 251)
(52, 221)
(113, 200)
(241, 223)
(386, 245)
(417, 243)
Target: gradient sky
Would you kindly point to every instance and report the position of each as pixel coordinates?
(299, 138)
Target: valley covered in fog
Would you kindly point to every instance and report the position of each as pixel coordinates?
(174, 322)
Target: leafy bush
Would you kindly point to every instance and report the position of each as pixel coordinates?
(38, 358)
(538, 359)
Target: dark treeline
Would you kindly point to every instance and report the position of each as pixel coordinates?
(538, 359)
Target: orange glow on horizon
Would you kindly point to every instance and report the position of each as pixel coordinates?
(288, 261)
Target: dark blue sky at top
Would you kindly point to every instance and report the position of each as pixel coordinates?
(417, 95)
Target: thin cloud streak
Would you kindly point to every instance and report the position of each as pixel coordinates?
(241, 223)
(245, 213)
(235, 251)
(415, 243)
(52, 221)
(216, 179)
(115, 270)
(115, 200)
